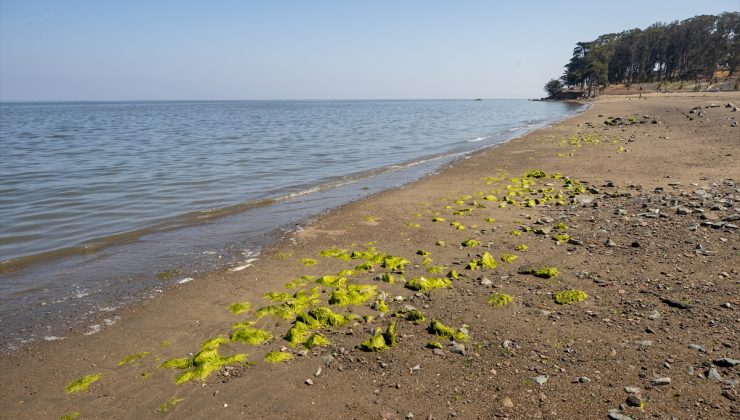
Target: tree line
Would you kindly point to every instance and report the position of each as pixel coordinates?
(690, 49)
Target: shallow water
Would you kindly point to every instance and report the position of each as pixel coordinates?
(96, 198)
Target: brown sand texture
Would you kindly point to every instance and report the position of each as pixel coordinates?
(638, 216)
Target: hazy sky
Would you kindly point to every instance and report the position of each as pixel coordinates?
(156, 49)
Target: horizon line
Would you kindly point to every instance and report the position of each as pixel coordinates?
(11, 101)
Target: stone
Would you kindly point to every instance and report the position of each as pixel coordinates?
(675, 303)
(457, 348)
(713, 375)
(610, 243)
(683, 210)
(661, 381)
(438, 352)
(654, 315)
(634, 401)
(644, 343)
(632, 390)
(540, 379)
(697, 347)
(309, 381)
(726, 362)
(614, 414)
(485, 281)
(507, 402)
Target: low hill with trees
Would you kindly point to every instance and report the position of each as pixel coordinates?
(703, 51)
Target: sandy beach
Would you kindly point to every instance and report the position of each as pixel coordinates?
(635, 204)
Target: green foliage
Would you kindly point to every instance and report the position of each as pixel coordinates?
(204, 362)
(553, 86)
(82, 384)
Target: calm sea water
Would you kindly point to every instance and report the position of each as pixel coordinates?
(79, 178)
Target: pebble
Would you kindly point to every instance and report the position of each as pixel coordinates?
(610, 243)
(540, 379)
(697, 347)
(309, 381)
(415, 368)
(584, 379)
(485, 281)
(726, 362)
(438, 352)
(654, 315)
(634, 401)
(661, 381)
(644, 343)
(410, 415)
(713, 375)
(457, 348)
(614, 414)
(507, 402)
(632, 390)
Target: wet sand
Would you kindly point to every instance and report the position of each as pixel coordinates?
(652, 244)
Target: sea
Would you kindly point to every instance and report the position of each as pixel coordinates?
(103, 204)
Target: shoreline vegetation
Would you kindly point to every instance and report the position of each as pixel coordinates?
(695, 54)
(589, 268)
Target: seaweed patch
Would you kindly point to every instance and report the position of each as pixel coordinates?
(249, 335)
(169, 404)
(278, 357)
(441, 330)
(566, 297)
(82, 384)
(422, 284)
(205, 362)
(239, 307)
(131, 358)
(352, 294)
(499, 300)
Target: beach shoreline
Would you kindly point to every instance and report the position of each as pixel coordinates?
(500, 371)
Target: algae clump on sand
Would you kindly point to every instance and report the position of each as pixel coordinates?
(566, 297)
(542, 272)
(499, 300)
(169, 404)
(239, 307)
(278, 357)
(415, 316)
(205, 362)
(352, 294)
(249, 335)
(487, 261)
(509, 258)
(82, 384)
(441, 330)
(422, 284)
(133, 358)
(381, 340)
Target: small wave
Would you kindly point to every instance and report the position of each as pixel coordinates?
(477, 139)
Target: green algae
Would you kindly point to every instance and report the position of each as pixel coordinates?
(521, 247)
(436, 269)
(423, 253)
(560, 226)
(470, 243)
(422, 284)
(83, 383)
(278, 357)
(292, 304)
(438, 219)
(392, 263)
(441, 330)
(561, 237)
(487, 261)
(131, 358)
(535, 173)
(352, 294)
(381, 340)
(440, 243)
(146, 375)
(308, 261)
(415, 316)
(453, 274)
(298, 334)
(249, 335)
(366, 266)
(434, 344)
(239, 307)
(413, 225)
(277, 296)
(543, 272)
(499, 300)
(566, 297)
(516, 232)
(164, 344)
(380, 306)
(346, 273)
(72, 415)
(205, 362)
(472, 265)
(457, 225)
(341, 254)
(387, 278)
(490, 220)
(332, 281)
(371, 219)
(299, 282)
(316, 340)
(169, 404)
(327, 317)
(509, 258)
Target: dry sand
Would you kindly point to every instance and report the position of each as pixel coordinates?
(662, 294)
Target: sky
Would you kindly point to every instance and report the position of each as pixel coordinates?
(59, 50)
